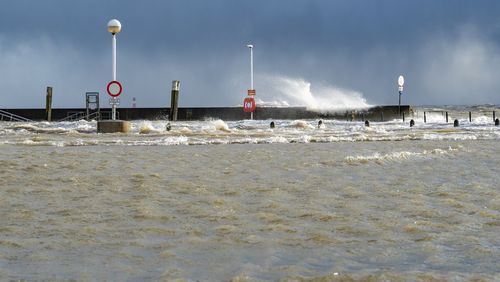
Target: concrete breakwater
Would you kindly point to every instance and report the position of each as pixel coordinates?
(378, 113)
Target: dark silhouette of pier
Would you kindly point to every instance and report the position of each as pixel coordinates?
(378, 113)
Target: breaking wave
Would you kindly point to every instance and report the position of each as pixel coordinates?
(286, 91)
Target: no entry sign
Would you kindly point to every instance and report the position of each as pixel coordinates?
(249, 105)
(114, 88)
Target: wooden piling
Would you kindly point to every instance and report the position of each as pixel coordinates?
(446, 117)
(403, 117)
(470, 116)
(174, 100)
(425, 118)
(48, 104)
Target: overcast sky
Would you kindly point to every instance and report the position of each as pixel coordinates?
(307, 52)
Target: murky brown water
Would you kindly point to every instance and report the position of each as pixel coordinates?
(407, 210)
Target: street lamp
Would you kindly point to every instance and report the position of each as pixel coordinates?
(250, 46)
(401, 83)
(114, 27)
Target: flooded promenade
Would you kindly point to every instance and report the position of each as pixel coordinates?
(215, 201)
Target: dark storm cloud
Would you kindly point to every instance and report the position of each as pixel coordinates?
(449, 51)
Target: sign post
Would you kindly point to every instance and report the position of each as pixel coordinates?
(251, 91)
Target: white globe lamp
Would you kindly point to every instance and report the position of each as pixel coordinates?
(114, 26)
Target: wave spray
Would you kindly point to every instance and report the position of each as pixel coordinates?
(286, 91)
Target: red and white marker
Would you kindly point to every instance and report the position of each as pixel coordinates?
(249, 105)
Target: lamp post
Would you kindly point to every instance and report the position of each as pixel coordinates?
(114, 27)
(401, 83)
(250, 46)
(114, 90)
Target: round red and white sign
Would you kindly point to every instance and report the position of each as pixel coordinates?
(114, 88)
(249, 105)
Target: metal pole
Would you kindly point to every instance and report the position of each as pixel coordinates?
(399, 108)
(113, 105)
(251, 75)
(114, 56)
(251, 68)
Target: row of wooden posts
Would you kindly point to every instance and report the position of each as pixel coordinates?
(363, 117)
(455, 122)
(412, 122)
(495, 119)
(367, 123)
(470, 117)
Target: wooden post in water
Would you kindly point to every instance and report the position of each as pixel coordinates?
(470, 116)
(48, 104)
(403, 117)
(174, 100)
(446, 117)
(425, 118)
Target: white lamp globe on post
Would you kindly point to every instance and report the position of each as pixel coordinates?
(401, 83)
(114, 27)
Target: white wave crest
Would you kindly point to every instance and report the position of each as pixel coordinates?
(396, 156)
(221, 125)
(301, 124)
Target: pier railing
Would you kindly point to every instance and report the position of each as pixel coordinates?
(92, 116)
(4, 116)
(450, 116)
